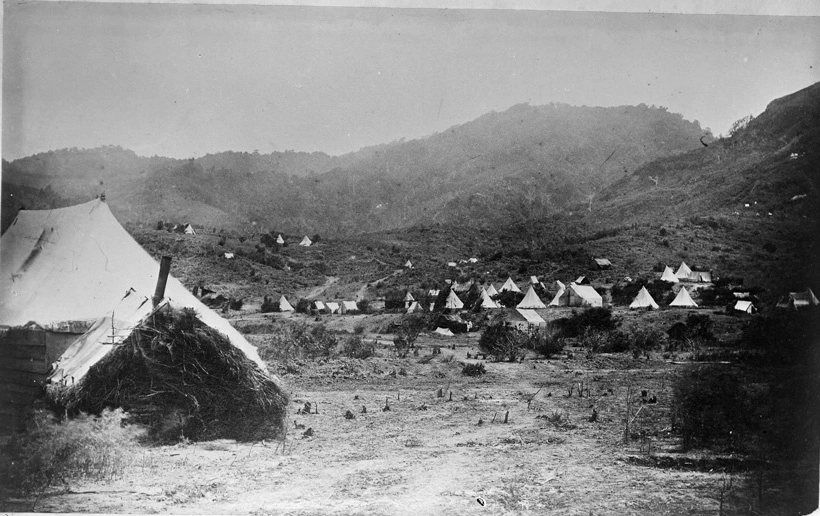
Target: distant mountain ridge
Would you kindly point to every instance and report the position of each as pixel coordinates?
(525, 162)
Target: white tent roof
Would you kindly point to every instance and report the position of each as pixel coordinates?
(189, 230)
(491, 291)
(453, 301)
(509, 285)
(669, 276)
(280, 240)
(408, 264)
(531, 316)
(409, 297)
(683, 299)
(75, 263)
(578, 295)
(744, 306)
(305, 241)
(486, 301)
(644, 300)
(414, 307)
(350, 306)
(556, 300)
(284, 306)
(534, 280)
(332, 307)
(318, 305)
(531, 300)
(444, 331)
(683, 271)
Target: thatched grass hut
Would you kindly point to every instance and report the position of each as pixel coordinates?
(172, 373)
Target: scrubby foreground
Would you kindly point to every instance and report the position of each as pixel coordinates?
(434, 441)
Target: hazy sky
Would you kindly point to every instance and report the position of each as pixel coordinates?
(186, 80)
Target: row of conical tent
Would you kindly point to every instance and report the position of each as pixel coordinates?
(686, 274)
(330, 306)
(572, 295)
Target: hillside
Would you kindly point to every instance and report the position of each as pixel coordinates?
(528, 161)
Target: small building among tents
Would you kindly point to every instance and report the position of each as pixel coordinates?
(601, 264)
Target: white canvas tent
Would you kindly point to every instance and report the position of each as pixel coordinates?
(408, 264)
(444, 331)
(700, 276)
(189, 230)
(509, 285)
(486, 301)
(524, 319)
(305, 242)
(531, 300)
(683, 271)
(745, 306)
(683, 299)
(491, 291)
(349, 307)
(644, 300)
(453, 302)
(534, 280)
(280, 240)
(414, 307)
(556, 299)
(798, 300)
(669, 276)
(319, 306)
(578, 295)
(409, 297)
(284, 306)
(71, 265)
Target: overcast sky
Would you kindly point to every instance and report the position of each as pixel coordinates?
(186, 80)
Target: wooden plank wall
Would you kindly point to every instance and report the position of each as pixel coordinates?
(23, 369)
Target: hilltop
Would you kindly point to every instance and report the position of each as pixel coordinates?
(525, 162)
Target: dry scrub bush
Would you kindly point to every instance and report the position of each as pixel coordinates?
(83, 448)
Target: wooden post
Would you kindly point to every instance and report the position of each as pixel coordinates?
(506, 417)
(626, 428)
(164, 269)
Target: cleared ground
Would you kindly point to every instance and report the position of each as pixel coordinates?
(440, 455)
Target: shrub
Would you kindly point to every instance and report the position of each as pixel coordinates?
(474, 369)
(502, 342)
(302, 306)
(594, 318)
(356, 347)
(546, 342)
(404, 340)
(363, 305)
(269, 305)
(83, 448)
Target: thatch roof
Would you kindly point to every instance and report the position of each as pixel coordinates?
(172, 373)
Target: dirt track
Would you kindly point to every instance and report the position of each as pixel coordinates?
(427, 455)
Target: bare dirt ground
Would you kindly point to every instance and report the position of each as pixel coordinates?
(433, 455)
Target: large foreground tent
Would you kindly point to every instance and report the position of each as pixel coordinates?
(683, 299)
(524, 319)
(644, 300)
(63, 270)
(531, 300)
